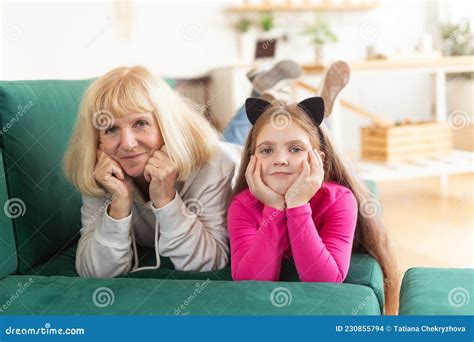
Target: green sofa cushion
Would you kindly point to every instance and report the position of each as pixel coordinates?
(437, 291)
(8, 257)
(364, 270)
(58, 296)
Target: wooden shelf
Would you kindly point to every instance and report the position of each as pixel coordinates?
(324, 6)
(399, 63)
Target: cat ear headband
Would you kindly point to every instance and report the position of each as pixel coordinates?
(313, 106)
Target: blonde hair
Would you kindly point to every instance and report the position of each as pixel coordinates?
(370, 234)
(189, 137)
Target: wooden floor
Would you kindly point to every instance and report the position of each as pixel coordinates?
(428, 228)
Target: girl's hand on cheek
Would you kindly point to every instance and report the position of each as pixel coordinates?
(258, 188)
(308, 182)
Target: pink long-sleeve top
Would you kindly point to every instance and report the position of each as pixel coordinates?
(317, 235)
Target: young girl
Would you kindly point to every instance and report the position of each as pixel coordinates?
(294, 198)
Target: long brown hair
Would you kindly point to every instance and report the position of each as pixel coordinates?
(370, 234)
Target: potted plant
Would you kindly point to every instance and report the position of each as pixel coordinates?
(267, 40)
(458, 40)
(246, 38)
(267, 22)
(320, 34)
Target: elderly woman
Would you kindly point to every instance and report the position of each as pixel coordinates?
(151, 170)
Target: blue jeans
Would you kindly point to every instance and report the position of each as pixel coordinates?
(237, 130)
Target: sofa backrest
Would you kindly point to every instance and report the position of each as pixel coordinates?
(37, 118)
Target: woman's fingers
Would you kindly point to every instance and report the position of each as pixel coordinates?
(111, 170)
(147, 173)
(164, 149)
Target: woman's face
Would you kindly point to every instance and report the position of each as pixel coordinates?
(131, 141)
(281, 153)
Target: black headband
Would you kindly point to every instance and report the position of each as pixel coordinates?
(313, 106)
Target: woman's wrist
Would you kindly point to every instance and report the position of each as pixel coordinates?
(119, 209)
(161, 202)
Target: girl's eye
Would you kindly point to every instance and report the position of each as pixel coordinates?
(141, 123)
(266, 151)
(296, 149)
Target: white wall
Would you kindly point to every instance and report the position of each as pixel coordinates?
(71, 39)
(76, 40)
(68, 39)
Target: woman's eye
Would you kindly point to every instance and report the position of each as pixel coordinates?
(266, 151)
(142, 123)
(111, 130)
(296, 149)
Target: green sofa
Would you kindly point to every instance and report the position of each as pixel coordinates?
(39, 229)
(437, 291)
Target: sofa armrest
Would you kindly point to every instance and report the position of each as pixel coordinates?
(8, 256)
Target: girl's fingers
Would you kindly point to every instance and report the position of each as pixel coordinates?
(253, 161)
(250, 167)
(258, 170)
(306, 169)
(314, 161)
(320, 159)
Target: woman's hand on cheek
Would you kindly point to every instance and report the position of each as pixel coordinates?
(109, 174)
(258, 188)
(308, 182)
(162, 173)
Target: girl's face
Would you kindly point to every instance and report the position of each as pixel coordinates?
(281, 153)
(131, 141)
